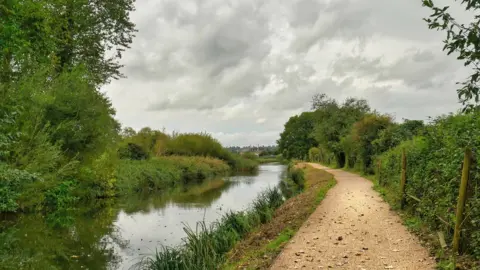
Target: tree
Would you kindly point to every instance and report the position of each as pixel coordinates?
(333, 121)
(64, 34)
(394, 134)
(463, 39)
(364, 132)
(296, 138)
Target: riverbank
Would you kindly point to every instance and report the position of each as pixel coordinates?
(116, 233)
(260, 248)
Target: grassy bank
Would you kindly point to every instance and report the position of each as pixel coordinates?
(259, 248)
(206, 246)
(166, 172)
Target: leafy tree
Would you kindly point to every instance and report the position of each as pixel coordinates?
(296, 138)
(464, 40)
(64, 34)
(364, 132)
(132, 151)
(152, 142)
(333, 121)
(394, 134)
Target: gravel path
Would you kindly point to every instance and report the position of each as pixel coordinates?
(353, 228)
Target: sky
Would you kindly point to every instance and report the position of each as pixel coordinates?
(240, 69)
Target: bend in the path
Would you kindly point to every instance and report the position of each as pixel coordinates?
(353, 228)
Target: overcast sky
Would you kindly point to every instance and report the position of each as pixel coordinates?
(240, 69)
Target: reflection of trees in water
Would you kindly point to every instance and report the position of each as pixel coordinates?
(188, 196)
(202, 199)
(44, 242)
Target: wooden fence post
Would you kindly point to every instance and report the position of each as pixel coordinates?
(403, 181)
(461, 199)
(379, 165)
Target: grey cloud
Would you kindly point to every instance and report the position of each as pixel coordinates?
(418, 69)
(350, 20)
(358, 64)
(290, 98)
(305, 12)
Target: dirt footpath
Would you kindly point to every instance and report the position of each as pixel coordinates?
(353, 228)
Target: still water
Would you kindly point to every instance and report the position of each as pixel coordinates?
(117, 234)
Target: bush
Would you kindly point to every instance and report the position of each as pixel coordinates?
(12, 181)
(132, 151)
(196, 144)
(241, 164)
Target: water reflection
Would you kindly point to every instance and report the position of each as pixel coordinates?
(115, 234)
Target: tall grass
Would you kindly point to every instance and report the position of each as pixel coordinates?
(206, 246)
(241, 164)
(166, 172)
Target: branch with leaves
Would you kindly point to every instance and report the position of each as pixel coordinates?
(464, 40)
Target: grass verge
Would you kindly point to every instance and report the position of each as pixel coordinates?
(259, 248)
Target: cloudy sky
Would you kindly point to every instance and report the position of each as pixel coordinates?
(240, 69)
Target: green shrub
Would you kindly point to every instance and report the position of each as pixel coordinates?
(241, 164)
(196, 144)
(12, 181)
(132, 151)
(60, 197)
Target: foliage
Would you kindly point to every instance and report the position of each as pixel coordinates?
(11, 183)
(463, 39)
(206, 247)
(62, 34)
(362, 136)
(333, 122)
(296, 139)
(241, 164)
(434, 163)
(196, 144)
(132, 151)
(142, 144)
(60, 197)
(394, 134)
